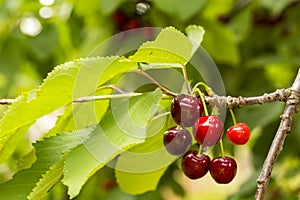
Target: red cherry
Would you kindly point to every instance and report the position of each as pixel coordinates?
(238, 134)
(194, 166)
(177, 141)
(132, 24)
(223, 169)
(186, 109)
(207, 130)
(120, 18)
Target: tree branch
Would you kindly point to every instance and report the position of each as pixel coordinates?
(238, 102)
(291, 108)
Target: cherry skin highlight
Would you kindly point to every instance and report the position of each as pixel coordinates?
(194, 166)
(177, 141)
(207, 130)
(185, 109)
(238, 134)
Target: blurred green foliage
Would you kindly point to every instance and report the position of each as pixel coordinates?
(255, 44)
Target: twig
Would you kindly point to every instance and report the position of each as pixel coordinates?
(6, 101)
(112, 87)
(163, 89)
(291, 108)
(238, 102)
(105, 97)
(111, 96)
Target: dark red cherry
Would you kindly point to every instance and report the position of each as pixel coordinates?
(132, 24)
(177, 141)
(120, 18)
(194, 166)
(185, 109)
(223, 169)
(238, 134)
(207, 130)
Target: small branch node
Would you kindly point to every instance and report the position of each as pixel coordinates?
(284, 116)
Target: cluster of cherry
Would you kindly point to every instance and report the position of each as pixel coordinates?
(187, 111)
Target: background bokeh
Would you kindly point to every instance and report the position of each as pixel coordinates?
(255, 44)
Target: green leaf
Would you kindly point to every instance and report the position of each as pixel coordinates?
(138, 183)
(181, 9)
(43, 45)
(276, 7)
(64, 84)
(164, 49)
(215, 8)
(116, 132)
(9, 142)
(286, 71)
(48, 180)
(64, 122)
(241, 24)
(48, 152)
(195, 34)
(139, 169)
(220, 43)
(108, 6)
(80, 115)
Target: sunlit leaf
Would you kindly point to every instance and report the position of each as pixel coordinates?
(118, 130)
(195, 34)
(63, 84)
(170, 46)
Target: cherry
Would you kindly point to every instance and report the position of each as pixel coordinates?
(238, 134)
(207, 130)
(194, 166)
(132, 24)
(185, 109)
(177, 141)
(109, 185)
(223, 169)
(120, 18)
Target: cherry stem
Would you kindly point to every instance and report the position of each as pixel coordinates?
(112, 87)
(222, 148)
(185, 76)
(202, 100)
(165, 90)
(200, 151)
(232, 116)
(208, 89)
(161, 115)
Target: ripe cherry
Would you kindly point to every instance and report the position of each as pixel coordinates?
(223, 169)
(186, 109)
(207, 130)
(238, 134)
(194, 166)
(177, 141)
